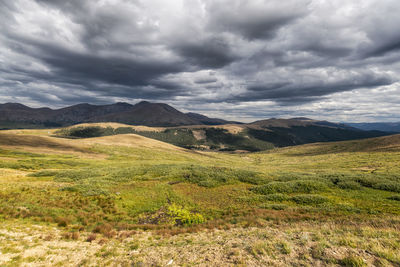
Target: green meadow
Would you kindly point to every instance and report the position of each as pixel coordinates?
(124, 198)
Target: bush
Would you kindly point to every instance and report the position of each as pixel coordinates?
(182, 216)
(276, 197)
(299, 186)
(397, 197)
(62, 222)
(91, 237)
(45, 173)
(275, 206)
(86, 190)
(309, 199)
(352, 185)
(388, 186)
(214, 176)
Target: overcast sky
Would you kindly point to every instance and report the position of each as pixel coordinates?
(237, 59)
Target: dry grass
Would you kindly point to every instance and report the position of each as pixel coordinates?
(13, 140)
(300, 244)
(125, 140)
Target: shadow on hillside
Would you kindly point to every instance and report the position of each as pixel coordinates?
(35, 141)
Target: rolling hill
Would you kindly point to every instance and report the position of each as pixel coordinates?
(257, 136)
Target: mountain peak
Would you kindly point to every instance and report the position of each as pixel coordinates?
(144, 103)
(14, 105)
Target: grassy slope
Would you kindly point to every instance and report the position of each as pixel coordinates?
(332, 203)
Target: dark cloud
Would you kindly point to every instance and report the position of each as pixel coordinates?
(254, 19)
(384, 49)
(222, 55)
(208, 53)
(295, 93)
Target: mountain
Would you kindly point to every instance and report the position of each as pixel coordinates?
(380, 126)
(209, 121)
(297, 131)
(14, 115)
(149, 114)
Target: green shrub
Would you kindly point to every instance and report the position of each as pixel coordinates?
(276, 197)
(369, 181)
(388, 186)
(396, 197)
(214, 176)
(45, 173)
(298, 186)
(274, 206)
(309, 199)
(352, 185)
(92, 131)
(76, 175)
(182, 216)
(86, 189)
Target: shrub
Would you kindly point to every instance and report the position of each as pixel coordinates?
(388, 186)
(44, 173)
(71, 235)
(86, 190)
(352, 185)
(182, 216)
(214, 176)
(396, 197)
(91, 237)
(299, 186)
(276, 197)
(275, 206)
(309, 199)
(369, 181)
(102, 228)
(380, 182)
(62, 222)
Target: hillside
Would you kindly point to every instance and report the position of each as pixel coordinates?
(257, 136)
(297, 131)
(130, 200)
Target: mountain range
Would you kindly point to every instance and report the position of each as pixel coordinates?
(15, 115)
(189, 130)
(393, 127)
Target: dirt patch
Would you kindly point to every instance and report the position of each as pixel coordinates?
(199, 134)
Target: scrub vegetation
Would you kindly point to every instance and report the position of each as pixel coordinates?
(125, 199)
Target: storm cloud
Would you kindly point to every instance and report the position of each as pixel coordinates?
(235, 59)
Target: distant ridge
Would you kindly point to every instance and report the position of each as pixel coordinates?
(379, 126)
(15, 115)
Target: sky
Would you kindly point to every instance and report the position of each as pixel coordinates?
(235, 59)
